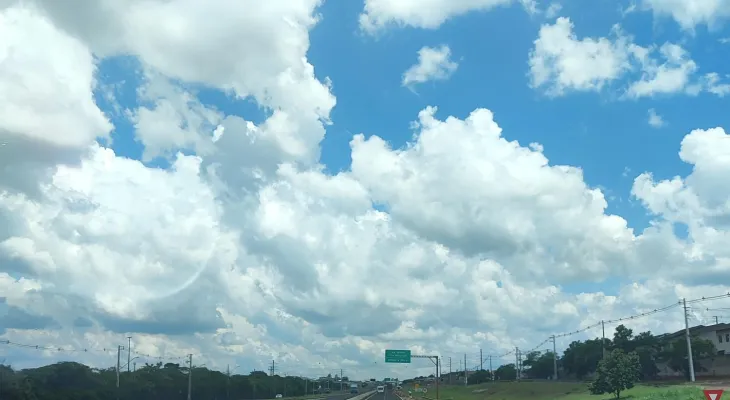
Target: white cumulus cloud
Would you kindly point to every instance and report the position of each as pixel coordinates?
(434, 63)
(245, 248)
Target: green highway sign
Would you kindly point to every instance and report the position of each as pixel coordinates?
(398, 356)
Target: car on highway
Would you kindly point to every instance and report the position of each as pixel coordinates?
(327, 390)
(278, 396)
(381, 389)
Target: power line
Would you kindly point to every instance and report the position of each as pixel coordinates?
(622, 319)
(66, 349)
(481, 358)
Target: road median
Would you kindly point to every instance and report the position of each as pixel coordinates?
(362, 396)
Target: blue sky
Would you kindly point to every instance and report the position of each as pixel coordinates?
(602, 135)
(608, 138)
(316, 238)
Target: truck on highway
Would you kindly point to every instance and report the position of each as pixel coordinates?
(353, 388)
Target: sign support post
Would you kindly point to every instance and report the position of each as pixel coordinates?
(405, 356)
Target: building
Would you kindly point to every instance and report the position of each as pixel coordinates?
(719, 365)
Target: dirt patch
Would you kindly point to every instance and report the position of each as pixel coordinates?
(723, 384)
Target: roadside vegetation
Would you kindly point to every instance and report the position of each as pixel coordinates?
(632, 359)
(630, 363)
(580, 360)
(560, 391)
(74, 381)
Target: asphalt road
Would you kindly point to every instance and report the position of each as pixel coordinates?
(338, 396)
(387, 395)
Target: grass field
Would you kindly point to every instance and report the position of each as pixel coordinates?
(559, 391)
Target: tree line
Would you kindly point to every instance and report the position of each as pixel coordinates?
(581, 359)
(74, 381)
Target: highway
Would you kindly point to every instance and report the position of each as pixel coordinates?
(338, 396)
(348, 395)
(387, 395)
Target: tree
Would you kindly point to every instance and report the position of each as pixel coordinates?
(74, 381)
(480, 376)
(647, 347)
(623, 339)
(675, 353)
(581, 358)
(506, 372)
(644, 344)
(539, 365)
(617, 372)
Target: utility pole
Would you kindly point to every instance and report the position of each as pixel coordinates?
(466, 374)
(340, 379)
(129, 352)
(190, 376)
(119, 354)
(517, 363)
(438, 376)
(717, 320)
(603, 341)
(689, 342)
(491, 371)
(449, 370)
(481, 360)
(228, 382)
(273, 367)
(555, 360)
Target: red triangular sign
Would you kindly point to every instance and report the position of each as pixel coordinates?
(713, 394)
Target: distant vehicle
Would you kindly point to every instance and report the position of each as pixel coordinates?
(327, 390)
(364, 384)
(399, 387)
(381, 389)
(354, 389)
(278, 396)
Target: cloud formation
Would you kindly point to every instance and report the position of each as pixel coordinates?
(238, 246)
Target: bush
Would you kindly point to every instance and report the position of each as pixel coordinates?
(617, 372)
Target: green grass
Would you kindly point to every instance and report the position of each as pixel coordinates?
(558, 391)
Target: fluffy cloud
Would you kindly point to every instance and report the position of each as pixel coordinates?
(691, 13)
(244, 249)
(561, 62)
(47, 111)
(656, 120)
(434, 63)
(380, 13)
